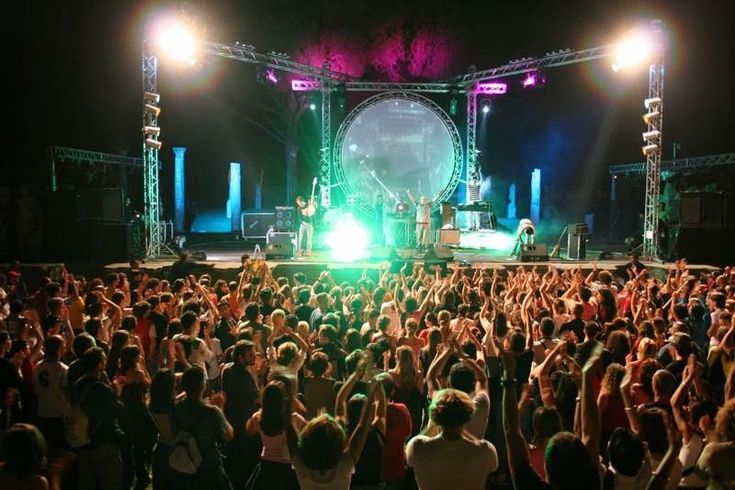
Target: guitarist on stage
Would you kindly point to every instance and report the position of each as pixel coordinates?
(307, 210)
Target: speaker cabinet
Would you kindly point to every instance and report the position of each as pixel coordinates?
(255, 224)
(285, 218)
(280, 245)
(702, 210)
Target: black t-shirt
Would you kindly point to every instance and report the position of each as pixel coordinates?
(208, 426)
(303, 312)
(160, 324)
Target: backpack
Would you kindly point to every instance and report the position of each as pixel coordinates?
(76, 424)
(185, 456)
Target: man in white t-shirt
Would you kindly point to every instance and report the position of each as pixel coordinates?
(450, 459)
(48, 378)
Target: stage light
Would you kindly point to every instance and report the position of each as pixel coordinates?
(648, 149)
(155, 111)
(348, 240)
(529, 81)
(152, 131)
(305, 85)
(485, 106)
(151, 143)
(151, 98)
(651, 135)
(495, 88)
(312, 106)
(634, 50)
(177, 42)
(651, 117)
(652, 103)
(266, 75)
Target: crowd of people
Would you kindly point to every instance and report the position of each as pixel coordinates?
(468, 378)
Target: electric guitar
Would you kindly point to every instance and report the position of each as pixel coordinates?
(310, 209)
(555, 251)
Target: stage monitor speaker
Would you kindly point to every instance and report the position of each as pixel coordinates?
(702, 209)
(436, 257)
(285, 218)
(534, 253)
(280, 245)
(255, 224)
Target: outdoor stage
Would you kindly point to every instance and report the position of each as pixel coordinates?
(223, 259)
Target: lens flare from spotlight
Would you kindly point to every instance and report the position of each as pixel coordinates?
(633, 51)
(177, 42)
(348, 241)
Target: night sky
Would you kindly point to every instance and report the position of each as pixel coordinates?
(75, 81)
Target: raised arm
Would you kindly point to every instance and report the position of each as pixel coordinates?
(518, 454)
(630, 410)
(357, 441)
(590, 414)
(432, 374)
(677, 400)
(340, 404)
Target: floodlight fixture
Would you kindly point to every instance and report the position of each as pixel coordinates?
(485, 106)
(151, 97)
(151, 143)
(652, 103)
(651, 117)
(153, 131)
(651, 135)
(648, 149)
(312, 106)
(153, 110)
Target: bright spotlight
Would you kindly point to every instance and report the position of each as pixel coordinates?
(485, 106)
(633, 50)
(348, 240)
(178, 43)
(312, 106)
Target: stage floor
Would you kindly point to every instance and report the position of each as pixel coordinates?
(481, 249)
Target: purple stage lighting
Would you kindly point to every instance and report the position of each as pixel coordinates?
(491, 88)
(530, 80)
(304, 85)
(270, 75)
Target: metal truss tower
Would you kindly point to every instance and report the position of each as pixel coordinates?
(151, 145)
(653, 158)
(325, 152)
(471, 157)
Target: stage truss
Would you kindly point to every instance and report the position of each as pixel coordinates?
(338, 169)
(466, 84)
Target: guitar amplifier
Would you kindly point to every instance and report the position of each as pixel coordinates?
(578, 229)
(285, 218)
(280, 245)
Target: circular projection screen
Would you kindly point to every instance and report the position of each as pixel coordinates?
(396, 141)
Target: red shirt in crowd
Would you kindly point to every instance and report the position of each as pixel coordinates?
(398, 429)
